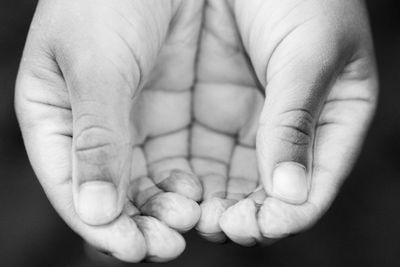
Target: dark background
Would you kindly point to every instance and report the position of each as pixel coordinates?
(362, 228)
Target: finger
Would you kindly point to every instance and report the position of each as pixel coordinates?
(121, 238)
(208, 225)
(340, 133)
(299, 73)
(240, 221)
(297, 80)
(173, 209)
(102, 141)
(286, 133)
(163, 244)
(165, 150)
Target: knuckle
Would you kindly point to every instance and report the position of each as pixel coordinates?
(94, 144)
(296, 127)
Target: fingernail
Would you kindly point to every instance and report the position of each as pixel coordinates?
(97, 202)
(290, 182)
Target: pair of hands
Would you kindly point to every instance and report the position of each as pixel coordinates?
(283, 92)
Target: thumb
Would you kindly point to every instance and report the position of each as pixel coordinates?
(319, 73)
(294, 97)
(103, 71)
(296, 59)
(102, 141)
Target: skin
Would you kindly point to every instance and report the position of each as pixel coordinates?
(103, 99)
(104, 102)
(314, 62)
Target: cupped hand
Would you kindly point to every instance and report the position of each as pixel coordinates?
(284, 95)
(103, 99)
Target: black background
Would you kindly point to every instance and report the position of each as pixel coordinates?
(362, 228)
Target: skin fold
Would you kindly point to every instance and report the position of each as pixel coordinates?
(132, 112)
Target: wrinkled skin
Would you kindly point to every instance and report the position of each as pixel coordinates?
(104, 102)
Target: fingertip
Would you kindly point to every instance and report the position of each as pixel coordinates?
(175, 210)
(278, 219)
(208, 224)
(163, 244)
(122, 239)
(272, 220)
(239, 223)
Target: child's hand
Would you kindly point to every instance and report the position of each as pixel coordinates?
(103, 98)
(314, 62)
